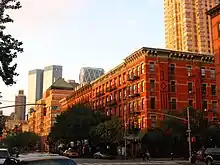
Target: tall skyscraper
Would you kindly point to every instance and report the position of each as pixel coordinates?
(88, 74)
(51, 74)
(20, 99)
(187, 27)
(35, 85)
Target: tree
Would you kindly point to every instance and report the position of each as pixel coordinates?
(9, 46)
(110, 131)
(198, 122)
(74, 124)
(24, 141)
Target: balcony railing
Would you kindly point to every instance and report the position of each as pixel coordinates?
(101, 93)
(112, 102)
(111, 88)
(133, 77)
(133, 95)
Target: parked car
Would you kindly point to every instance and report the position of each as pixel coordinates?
(42, 159)
(3, 155)
(211, 156)
(70, 153)
(102, 155)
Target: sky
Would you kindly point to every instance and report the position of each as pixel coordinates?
(80, 33)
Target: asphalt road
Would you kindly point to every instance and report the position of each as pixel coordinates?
(130, 162)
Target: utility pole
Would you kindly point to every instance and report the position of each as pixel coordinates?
(189, 135)
(125, 134)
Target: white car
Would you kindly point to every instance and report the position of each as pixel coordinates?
(3, 155)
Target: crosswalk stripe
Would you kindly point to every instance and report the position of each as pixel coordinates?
(129, 163)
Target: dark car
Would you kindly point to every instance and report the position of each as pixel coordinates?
(39, 159)
(103, 155)
(212, 156)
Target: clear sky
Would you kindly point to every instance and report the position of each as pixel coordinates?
(78, 33)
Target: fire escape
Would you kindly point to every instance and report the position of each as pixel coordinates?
(112, 102)
(133, 93)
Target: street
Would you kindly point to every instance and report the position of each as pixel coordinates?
(129, 162)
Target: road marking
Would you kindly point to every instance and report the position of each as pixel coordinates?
(129, 163)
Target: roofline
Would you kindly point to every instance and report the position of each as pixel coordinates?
(214, 11)
(147, 51)
(61, 88)
(150, 50)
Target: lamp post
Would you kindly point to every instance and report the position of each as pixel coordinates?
(189, 134)
(125, 134)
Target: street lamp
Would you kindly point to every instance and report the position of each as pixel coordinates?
(189, 134)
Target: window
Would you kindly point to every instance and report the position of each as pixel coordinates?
(130, 89)
(173, 104)
(203, 72)
(212, 73)
(191, 103)
(214, 105)
(125, 93)
(204, 105)
(142, 85)
(138, 70)
(142, 68)
(119, 95)
(173, 86)
(153, 121)
(130, 107)
(189, 70)
(142, 122)
(213, 88)
(138, 87)
(142, 104)
(120, 80)
(152, 85)
(124, 77)
(151, 66)
(204, 89)
(172, 69)
(190, 87)
(152, 103)
(138, 105)
(119, 111)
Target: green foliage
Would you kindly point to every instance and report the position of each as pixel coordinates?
(197, 121)
(25, 141)
(110, 131)
(9, 46)
(75, 124)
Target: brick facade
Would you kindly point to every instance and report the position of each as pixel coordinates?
(215, 16)
(152, 80)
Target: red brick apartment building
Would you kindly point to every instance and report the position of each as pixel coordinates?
(215, 16)
(149, 80)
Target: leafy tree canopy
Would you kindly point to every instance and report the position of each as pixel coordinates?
(75, 124)
(198, 122)
(110, 131)
(9, 46)
(23, 141)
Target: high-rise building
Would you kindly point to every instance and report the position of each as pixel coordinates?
(51, 74)
(20, 107)
(35, 85)
(187, 27)
(88, 74)
(215, 16)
